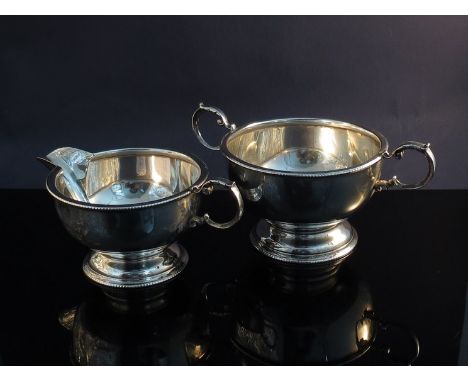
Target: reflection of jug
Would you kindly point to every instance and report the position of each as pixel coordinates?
(137, 332)
(279, 319)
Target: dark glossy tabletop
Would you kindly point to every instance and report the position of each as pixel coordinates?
(410, 268)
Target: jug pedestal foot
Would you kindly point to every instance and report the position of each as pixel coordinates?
(136, 269)
(321, 245)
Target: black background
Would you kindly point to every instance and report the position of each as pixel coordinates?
(106, 82)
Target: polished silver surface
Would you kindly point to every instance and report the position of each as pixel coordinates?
(140, 201)
(302, 171)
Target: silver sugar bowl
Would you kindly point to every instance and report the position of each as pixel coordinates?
(305, 177)
(139, 201)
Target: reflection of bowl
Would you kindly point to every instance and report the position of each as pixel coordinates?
(106, 335)
(141, 200)
(301, 323)
(293, 327)
(305, 177)
(287, 314)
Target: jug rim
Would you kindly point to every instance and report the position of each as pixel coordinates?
(203, 176)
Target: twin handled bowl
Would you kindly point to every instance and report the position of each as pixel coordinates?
(304, 177)
(139, 201)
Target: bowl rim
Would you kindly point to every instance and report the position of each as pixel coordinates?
(311, 121)
(203, 176)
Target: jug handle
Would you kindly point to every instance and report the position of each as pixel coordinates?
(207, 188)
(221, 121)
(394, 182)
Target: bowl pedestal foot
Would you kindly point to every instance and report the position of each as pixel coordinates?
(322, 245)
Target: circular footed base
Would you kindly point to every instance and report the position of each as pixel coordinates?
(305, 243)
(136, 269)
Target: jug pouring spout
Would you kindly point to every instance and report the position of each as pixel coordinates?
(47, 163)
(74, 163)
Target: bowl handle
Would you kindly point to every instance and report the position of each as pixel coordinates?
(221, 121)
(395, 183)
(207, 188)
(386, 348)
